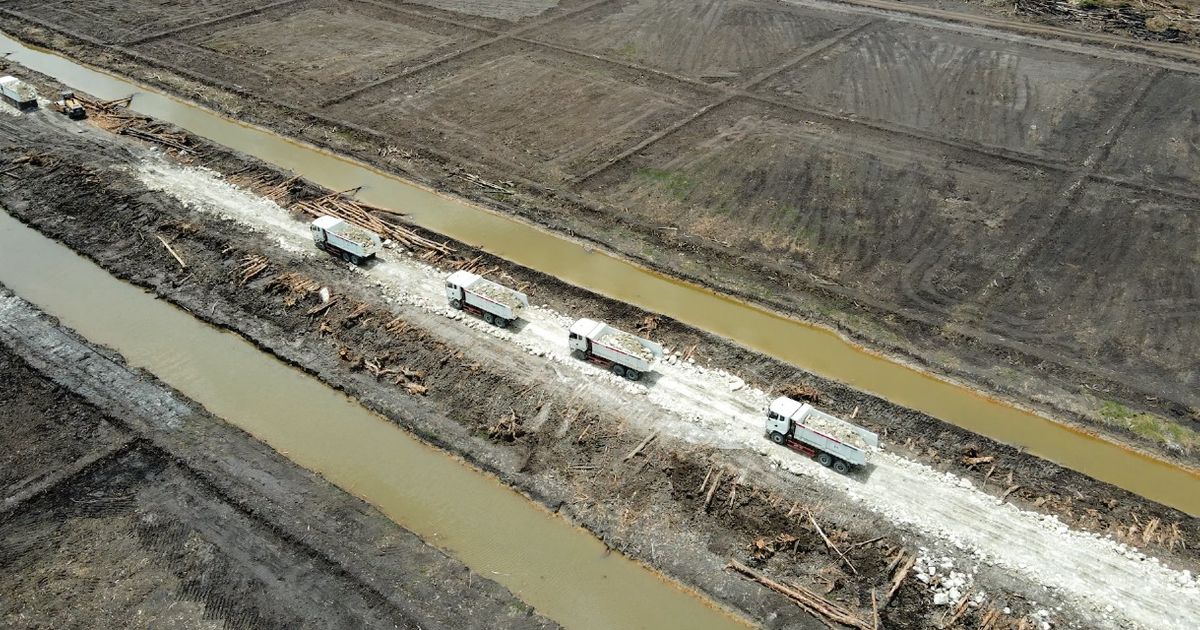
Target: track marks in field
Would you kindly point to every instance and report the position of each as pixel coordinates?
(1024, 99)
(710, 39)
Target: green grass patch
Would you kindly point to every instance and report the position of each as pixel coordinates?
(1149, 426)
(676, 184)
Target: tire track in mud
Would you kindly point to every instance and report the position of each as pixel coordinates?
(1069, 199)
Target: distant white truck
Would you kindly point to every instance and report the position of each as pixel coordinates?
(344, 239)
(18, 93)
(495, 303)
(832, 441)
(625, 354)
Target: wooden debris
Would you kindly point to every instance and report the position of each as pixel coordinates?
(483, 183)
(960, 608)
(1011, 489)
(898, 578)
(114, 116)
(295, 286)
(972, 461)
(865, 542)
(763, 548)
(829, 543)
(360, 214)
(713, 490)
(806, 599)
(172, 251)
(640, 446)
(801, 393)
(508, 428)
(324, 306)
(396, 326)
(265, 186)
(648, 324)
(251, 266)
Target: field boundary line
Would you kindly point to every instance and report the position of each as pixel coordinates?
(1100, 41)
(210, 22)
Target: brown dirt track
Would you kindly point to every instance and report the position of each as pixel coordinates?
(957, 203)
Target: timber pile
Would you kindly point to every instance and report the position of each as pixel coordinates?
(1148, 19)
(360, 214)
(114, 116)
(264, 186)
(801, 393)
(827, 611)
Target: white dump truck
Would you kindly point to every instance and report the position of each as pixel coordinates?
(625, 354)
(344, 239)
(495, 303)
(18, 93)
(832, 441)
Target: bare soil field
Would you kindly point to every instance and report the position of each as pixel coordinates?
(538, 113)
(302, 51)
(918, 187)
(1034, 101)
(710, 40)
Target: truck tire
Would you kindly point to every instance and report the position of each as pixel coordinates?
(502, 323)
(632, 374)
(355, 259)
(778, 438)
(456, 305)
(346, 256)
(840, 467)
(489, 318)
(825, 459)
(618, 369)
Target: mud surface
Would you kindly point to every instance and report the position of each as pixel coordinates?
(968, 200)
(135, 509)
(655, 505)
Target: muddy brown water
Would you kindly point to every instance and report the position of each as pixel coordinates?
(560, 569)
(809, 347)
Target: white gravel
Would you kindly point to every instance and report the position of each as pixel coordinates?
(711, 406)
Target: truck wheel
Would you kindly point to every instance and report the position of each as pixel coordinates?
(825, 459)
(489, 318)
(456, 305)
(355, 259)
(632, 374)
(777, 437)
(618, 370)
(502, 323)
(346, 256)
(841, 467)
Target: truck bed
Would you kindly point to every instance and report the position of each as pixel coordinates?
(497, 293)
(625, 343)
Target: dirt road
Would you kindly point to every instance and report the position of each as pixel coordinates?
(126, 504)
(711, 407)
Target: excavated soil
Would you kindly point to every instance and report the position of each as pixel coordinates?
(968, 200)
(654, 506)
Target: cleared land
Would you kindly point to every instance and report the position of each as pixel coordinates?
(941, 191)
